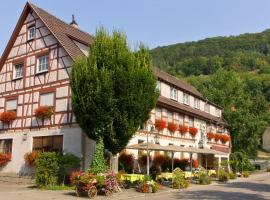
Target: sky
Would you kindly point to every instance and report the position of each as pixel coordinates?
(153, 22)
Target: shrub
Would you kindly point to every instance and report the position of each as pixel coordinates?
(160, 124)
(8, 116)
(203, 178)
(4, 158)
(182, 163)
(98, 164)
(179, 180)
(143, 159)
(159, 160)
(240, 162)
(75, 177)
(172, 127)
(67, 164)
(47, 168)
(223, 176)
(30, 158)
(148, 185)
(232, 175)
(246, 174)
(44, 112)
(126, 162)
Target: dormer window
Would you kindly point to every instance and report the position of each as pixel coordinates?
(31, 33)
(42, 64)
(18, 71)
(173, 93)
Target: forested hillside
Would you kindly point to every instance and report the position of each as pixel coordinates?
(233, 72)
(247, 52)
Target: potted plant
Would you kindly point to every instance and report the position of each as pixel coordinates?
(160, 124)
(210, 136)
(172, 127)
(183, 129)
(44, 112)
(4, 158)
(217, 137)
(8, 116)
(31, 157)
(225, 138)
(193, 131)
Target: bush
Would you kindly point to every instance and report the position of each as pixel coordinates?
(203, 178)
(179, 180)
(182, 163)
(232, 175)
(47, 168)
(67, 164)
(30, 158)
(246, 174)
(126, 162)
(240, 162)
(223, 175)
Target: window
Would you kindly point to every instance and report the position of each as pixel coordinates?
(206, 107)
(48, 143)
(196, 103)
(191, 122)
(158, 86)
(173, 93)
(158, 113)
(6, 146)
(185, 98)
(181, 119)
(47, 99)
(217, 112)
(170, 117)
(43, 64)
(11, 105)
(31, 33)
(18, 71)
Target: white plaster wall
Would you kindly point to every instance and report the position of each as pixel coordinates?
(165, 89)
(71, 143)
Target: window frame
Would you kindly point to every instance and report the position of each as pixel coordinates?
(46, 93)
(29, 35)
(14, 77)
(9, 151)
(173, 93)
(52, 137)
(38, 63)
(12, 99)
(158, 86)
(186, 98)
(197, 104)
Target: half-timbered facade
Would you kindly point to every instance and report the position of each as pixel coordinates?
(34, 74)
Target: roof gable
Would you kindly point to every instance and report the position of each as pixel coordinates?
(63, 32)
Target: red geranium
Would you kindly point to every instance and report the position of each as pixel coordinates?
(193, 131)
(4, 158)
(225, 138)
(183, 129)
(195, 163)
(218, 137)
(210, 136)
(44, 112)
(8, 116)
(172, 127)
(160, 124)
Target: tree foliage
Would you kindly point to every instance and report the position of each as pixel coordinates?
(245, 107)
(247, 52)
(113, 90)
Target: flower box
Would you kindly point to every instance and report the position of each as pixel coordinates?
(8, 116)
(44, 112)
(172, 127)
(160, 124)
(193, 131)
(30, 158)
(225, 138)
(4, 158)
(210, 136)
(183, 129)
(218, 137)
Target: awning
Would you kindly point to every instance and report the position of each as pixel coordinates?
(174, 148)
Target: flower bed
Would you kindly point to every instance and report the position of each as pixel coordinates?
(193, 131)
(160, 124)
(4, 158)
(44, 112)
(8, 116)
(148, 185)
(172, 127)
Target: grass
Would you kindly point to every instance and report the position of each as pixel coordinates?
(58, 187)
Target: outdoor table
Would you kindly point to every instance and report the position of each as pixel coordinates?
(211, 172)
(188, 174)
(132, 177)
(168, 175)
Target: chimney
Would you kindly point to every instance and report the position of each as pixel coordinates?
(73, 22)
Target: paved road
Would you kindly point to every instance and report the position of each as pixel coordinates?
(257, 187)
